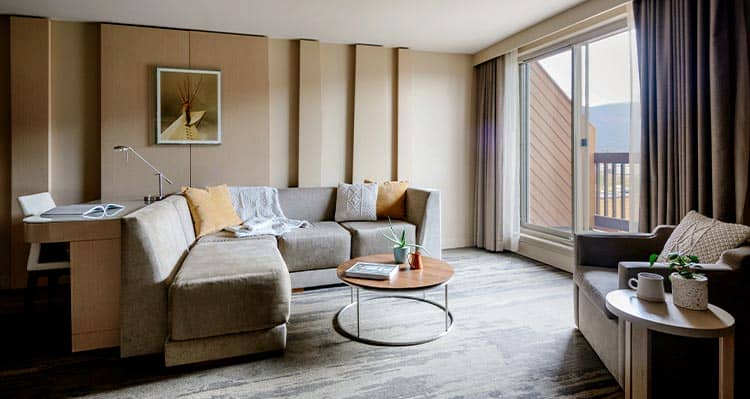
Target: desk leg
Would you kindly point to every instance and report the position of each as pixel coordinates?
(637, 362)
(95, 294)
(726, 367)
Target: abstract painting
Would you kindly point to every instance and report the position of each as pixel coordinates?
(188, 106)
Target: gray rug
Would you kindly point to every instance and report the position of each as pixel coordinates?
(513, 337)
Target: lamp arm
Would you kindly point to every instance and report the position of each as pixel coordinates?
(158, 172)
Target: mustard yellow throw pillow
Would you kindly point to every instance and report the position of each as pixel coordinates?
(391, 201)
(211, 209)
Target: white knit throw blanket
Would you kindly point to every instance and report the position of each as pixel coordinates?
(261, 213)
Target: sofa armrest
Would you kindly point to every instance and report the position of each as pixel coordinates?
(607, 250)
(423, 210)
(736, 258)
(717, 273)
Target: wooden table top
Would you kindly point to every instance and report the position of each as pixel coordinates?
(434, 272)
(669, 318)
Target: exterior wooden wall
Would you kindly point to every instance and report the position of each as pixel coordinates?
(550, 152)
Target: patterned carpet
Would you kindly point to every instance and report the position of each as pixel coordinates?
(513, 338)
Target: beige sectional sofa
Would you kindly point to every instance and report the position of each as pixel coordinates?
(220, 296)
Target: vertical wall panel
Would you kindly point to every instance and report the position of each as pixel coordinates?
(443, 154)
(373, 114)
(30, 124)
(74, 137)
(5, 164)
(310, 115)
(243, 157)
(404, 115)
(337, 107)
(283, 76)
(129, 56)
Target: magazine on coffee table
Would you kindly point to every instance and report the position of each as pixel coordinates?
(372, 271)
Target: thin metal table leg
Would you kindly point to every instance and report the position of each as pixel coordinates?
(446, 307)
(357, 311)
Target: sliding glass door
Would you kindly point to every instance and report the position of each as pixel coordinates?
(578, 156)
(548, 175)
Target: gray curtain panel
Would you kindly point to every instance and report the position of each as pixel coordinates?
(695, 102)
(488, 180)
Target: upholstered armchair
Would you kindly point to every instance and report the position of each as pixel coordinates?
(605, 262)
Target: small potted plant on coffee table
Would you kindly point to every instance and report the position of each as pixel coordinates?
(689, 288)
(400, 246)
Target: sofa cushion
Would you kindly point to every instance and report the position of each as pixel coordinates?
(320, 246)
(224, 236)
(229, 287)
(313, 204)
(596, 283)
(367, 237)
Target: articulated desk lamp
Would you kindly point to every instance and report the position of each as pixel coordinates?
(161, 177)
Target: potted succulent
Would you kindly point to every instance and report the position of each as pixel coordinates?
(689, 288)
(400, 246)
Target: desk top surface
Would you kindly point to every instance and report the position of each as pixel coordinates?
(130, 206)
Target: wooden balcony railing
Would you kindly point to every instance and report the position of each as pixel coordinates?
(612, 208)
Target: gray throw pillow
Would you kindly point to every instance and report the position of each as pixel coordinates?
(704, 237)
(356, 202)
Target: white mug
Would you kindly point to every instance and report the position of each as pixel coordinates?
(648, 286)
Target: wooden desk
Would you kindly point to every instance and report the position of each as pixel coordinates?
(94, 272)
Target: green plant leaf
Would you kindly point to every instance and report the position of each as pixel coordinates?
(392, 240)
(652, 259)
(693, 258)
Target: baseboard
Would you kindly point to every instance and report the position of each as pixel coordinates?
(550, 252)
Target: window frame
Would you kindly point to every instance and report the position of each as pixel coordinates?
(575, 45)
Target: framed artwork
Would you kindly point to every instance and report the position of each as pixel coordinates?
(188, 106)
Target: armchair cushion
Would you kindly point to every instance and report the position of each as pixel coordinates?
(596, 283)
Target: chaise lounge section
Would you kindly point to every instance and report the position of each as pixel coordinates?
(219, 296)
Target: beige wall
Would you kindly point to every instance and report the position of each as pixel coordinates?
(29, 124)
(243, 158)
(337, 108)
(74, 138)
(293, 113)
(373, 152)
(283, 74)
(443, 145)
(326, 113)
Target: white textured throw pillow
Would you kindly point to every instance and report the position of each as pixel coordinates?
(356, 202)
(704, 237)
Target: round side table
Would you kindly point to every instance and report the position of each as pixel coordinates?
(434, 273)
(642, 317)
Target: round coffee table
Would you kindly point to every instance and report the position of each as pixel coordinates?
(642, 317)
(434, 273)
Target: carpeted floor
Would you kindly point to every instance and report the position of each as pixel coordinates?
(513, 338)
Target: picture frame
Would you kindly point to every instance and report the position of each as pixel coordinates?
(188, 106)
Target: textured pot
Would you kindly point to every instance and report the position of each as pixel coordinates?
(690, 293)
(400, 254)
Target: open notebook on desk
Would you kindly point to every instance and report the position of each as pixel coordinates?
(85, 210)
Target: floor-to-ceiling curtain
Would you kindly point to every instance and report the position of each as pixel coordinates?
(695, 109)
(496, 182)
